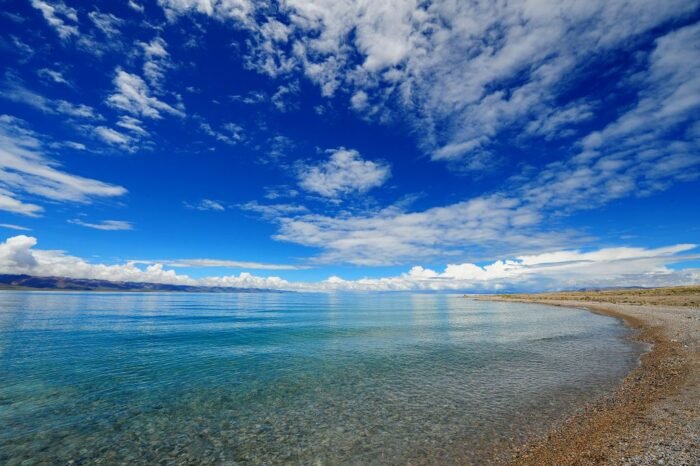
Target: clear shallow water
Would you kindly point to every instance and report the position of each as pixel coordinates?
(290, 378)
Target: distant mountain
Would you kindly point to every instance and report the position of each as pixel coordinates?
(28, 282)
(614, 288)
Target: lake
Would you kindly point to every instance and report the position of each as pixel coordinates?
(268, 378)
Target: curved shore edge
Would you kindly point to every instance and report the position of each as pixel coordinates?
(653, 416)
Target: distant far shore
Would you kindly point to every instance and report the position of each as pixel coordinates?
(32, 283)
(653, 417)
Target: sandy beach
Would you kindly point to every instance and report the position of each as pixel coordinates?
(653, 417)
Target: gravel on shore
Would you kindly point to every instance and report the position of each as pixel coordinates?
(653, 417)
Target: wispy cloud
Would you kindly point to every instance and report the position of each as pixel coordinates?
(59, 16)
(206, 204)
(26, 172)
(12, 226)
(230, 133)
(54, 76)
(133, 125)
(274, 211)
(134, 96)
(14, 90)
(649, 147)
(464, 75)
(156, 61)
(106, 225)
(136, 6)
(106, 22)
(112, 136)
(221, 263)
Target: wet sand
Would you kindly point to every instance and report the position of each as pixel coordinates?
(653, 417)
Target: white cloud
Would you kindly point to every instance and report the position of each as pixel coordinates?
(549, 271)
(9, 203)
(557, 122)
(230, 133)
(239, 10)
(136, 6)
(12, 226)
(133, 96)
(652, 145)
(17, 255)
(60, 17)
(73, 145)
(106, 22)
(111, 136)
(557, 270)
(646, 149)
(463, 74)
(274, 211)
(25, 171)
(157, 61)
(107, 225)
(345, 172)
(16, 92)
(251, 98)
(284, 99)
(392, 235)
(359, 100)
(53, 75)
(467, 70)
(133, 125)
(220, 263)
(206, 204)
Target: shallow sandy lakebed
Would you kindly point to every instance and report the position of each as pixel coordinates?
(653, 417)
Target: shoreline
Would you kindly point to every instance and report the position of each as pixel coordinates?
(653, 416)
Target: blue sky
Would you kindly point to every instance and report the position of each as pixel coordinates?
(395, 145)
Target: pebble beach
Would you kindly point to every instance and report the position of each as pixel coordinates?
(653, 417)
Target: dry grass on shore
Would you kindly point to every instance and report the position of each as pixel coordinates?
(684, 296)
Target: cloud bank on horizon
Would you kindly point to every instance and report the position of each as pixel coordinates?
(556, 270)
(324, 139)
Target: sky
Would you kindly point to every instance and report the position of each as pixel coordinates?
(332, 145)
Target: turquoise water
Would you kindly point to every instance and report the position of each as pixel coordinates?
(105, 378)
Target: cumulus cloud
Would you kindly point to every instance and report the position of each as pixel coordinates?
(26, 172)
(107, 225)
(560, 270)
(345, 172)
(18, 255)
(557, 270)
